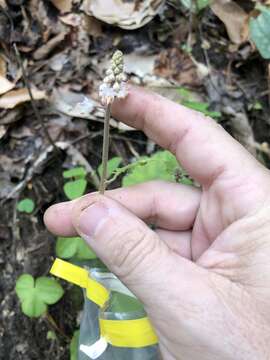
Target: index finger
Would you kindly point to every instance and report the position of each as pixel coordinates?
(202, 146)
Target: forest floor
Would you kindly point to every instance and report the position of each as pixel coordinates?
(64, 52)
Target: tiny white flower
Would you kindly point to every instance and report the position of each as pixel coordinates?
(122, 93)
(114, 85)
(109, 72)
(121, 77)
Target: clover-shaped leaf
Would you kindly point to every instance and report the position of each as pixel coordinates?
(36, 295)
(161, 165)
(260, 31)
(75, 189)
(77, 183)
(68, 247)
(26, 205)
(78, 172)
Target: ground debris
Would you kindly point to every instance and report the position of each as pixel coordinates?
(18, 96)
(127, 15)
(234, 18)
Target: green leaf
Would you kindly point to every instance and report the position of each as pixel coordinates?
(75, 189)
(69, 247)
(186, 181)
(113, 164)
(260, 31)
(49, 290)
(257, 105)
(36, 295)
(84, 252)
(188, 99)
(26, 205)
(66, 247)
(201, 4)
(201, 107)
(51, 335)
(186, 94)
(187, 4)
(162, 165)
(74, 345)
(78, 172)
(195, 6)
(23, 284)
(32, 306)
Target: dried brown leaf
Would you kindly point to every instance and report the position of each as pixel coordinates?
(3, 4)
(3, 130)
(81, 106)
(92, 26)
(16, 97)
(5, 85)
(140, 65)
(234, 18)
(63, 5)
(71, 19)
(176, 65)
(45, 49)
(127, 15)
(3, 67)
(10, 116)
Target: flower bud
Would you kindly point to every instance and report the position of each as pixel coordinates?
(113, 85)
(120, 77)
(109, 72)
(117, 71)
(116, 86)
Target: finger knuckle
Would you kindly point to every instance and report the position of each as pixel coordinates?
(135, 252)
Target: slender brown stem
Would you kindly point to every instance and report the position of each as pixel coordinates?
(105, 148)
(32, 100)
(54, 325)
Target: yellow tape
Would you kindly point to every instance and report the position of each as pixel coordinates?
(69, 272)
(123, 333)
(79, 276)
(128, 333)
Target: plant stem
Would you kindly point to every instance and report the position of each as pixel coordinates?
(54, 325)
(105, 148)
(32, 100)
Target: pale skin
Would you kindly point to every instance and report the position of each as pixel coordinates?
(204, 274)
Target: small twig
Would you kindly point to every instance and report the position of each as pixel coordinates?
(87, 136)
(128, 138)
(208, 64)
(268, 80)
(105, 148)
(36, 247)
(132, 149)
(32, 100)
(190, 26)
(54, 326)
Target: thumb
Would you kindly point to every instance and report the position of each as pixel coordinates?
(130, 249)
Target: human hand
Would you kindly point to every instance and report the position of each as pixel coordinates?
(204, 274)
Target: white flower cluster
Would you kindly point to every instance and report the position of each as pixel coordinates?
(114, 84)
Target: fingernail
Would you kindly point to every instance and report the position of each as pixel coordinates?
(91, 217)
